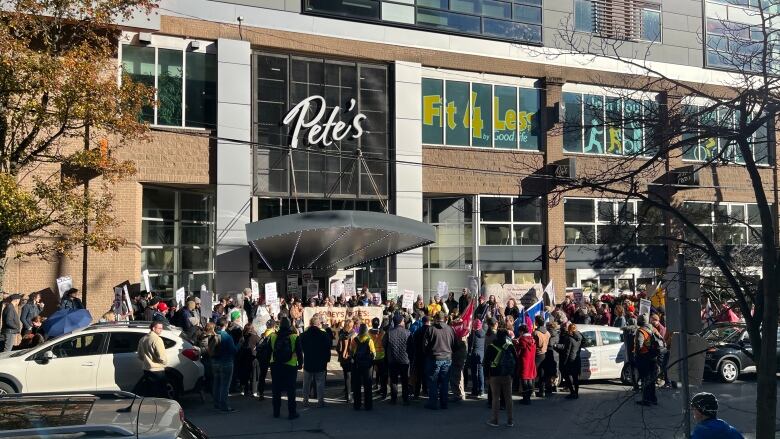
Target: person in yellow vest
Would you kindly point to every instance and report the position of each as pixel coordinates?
(286, 361)
(264, 356)
(362, 353)
(377, 334)
(433, 307)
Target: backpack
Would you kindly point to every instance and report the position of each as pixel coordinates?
(362, 356)
(654, 342)
(282, 349)
(214, 345)
(505, 364)
(263, 349)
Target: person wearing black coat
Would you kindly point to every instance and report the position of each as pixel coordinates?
(247, 363)
(31, 310)
(397, 349)
(315, 344)
(551, 359)
(463, 302)
(11, 326)
(476, 355)
(570, 359)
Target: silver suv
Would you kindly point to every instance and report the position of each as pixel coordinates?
(93, 415)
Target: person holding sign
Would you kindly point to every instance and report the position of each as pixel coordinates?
(69, 301)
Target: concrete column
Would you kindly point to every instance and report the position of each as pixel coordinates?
(554, 256)
(234, 164)
(408, 177)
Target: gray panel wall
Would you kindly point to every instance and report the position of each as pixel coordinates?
(234, 165)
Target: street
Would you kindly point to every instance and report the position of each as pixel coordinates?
(606, 409)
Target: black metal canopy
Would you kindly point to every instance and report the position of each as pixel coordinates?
(339, 239)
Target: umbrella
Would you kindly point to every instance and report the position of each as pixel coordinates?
(65, 321)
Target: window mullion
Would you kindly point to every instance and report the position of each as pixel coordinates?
(183, 88)
(156, 74)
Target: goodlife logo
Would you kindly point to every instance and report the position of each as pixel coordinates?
(319, 133)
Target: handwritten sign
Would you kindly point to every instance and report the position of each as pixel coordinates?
(442, 289)
(392, 291)
(312, 288)
(271, 295)
(180, 296)
(644, 307)
(147, 283)
(255, 289)
(64, 284)
(118, 299)
(336, 315)
(408, 299)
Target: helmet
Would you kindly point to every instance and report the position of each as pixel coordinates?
(706, 403)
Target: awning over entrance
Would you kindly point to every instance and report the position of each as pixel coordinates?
(334, 239)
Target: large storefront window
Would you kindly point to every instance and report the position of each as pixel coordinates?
(458, 113)
(707, 148)
(724, 223)
(598, 124)
(618, 222)
(328, 168)
(186, 84)
(177, 240)
(451, 257)
(510, 221)
(520, 20)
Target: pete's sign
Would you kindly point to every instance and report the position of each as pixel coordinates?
(320, 131)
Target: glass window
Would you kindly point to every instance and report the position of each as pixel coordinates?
(528, 234)
(449, 21)
(495, 234)
(432, 111)
(578, 210)
(572, 126)
(482, 115)
(138, 63)
(651, 25)
(580, 234)
(449, 210)
(457, 113)
(397, 13)
(527, 210)
(583, 15)
(353, 8)
(169, 87)
(505, 119)
(79, 346)
(496, 9)
(201, 98)
(610, 337)
(588, 339)
(123, 342)
(494, 209)
(525, 13)
(528, 120)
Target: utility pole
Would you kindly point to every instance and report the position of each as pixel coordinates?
(683, 340)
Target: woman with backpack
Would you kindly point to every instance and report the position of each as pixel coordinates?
(248, 365)
(346, 335)
(500, 355)
(363, 353)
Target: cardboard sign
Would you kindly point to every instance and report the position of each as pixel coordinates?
(64, 284)
(119, 294)
(579, 297)
(349, 287)
(180, 296)
(336, 289)
(335, 315)
(255, 289)
(392, 291)
(408, 300)
(312, 288)
(128, 302)
(147, 283)
(442, 290)
(271, 295)
(644, 307)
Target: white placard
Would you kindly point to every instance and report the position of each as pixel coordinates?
(206, 304)
(271, 295)
(473, 283)
(255, 289)
(408, 299)
(128, 302)
(442, 290)
(644, 307)
(376, 298)
(118, 298)
(275, 308)
(64, 284)
(349, 287)
(307, 276)
(180, 296)
(336, 289)
(392, 291)
(312, 288)
(578, 295)
(147, 284)
(292, 284)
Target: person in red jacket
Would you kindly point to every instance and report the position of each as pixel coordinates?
(526, 360)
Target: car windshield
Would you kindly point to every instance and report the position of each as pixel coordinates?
(722, 333)
(41, 413)
(20, 352)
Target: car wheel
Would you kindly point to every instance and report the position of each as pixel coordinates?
(6, 388)
(625, 375)
(728, 371)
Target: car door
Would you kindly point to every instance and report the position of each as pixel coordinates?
(73, 366)
(120, 368)
(589, 356)
(610, 357)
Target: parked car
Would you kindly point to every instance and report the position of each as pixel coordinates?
(729, 353)
(100, 357)
(94, 415)
(603, 354)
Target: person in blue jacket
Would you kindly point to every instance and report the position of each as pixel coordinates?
(705, 412)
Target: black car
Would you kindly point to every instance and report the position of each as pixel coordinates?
(729, 353)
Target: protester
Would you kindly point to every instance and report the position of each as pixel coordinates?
(377, 334)
(419, 363)
(222, 351)
(151, 352)
(463, 301)
(433, 307)
(459, 354)
(362, 352)
(476, 354)
(709, 426)
(397, 347)
(620, 318)
(30, 310)
(438, 343)
(542, 340)
(526, 361)
(264, 356)
(512, 309)
(346, 334)
(35, 336)
(451, 303)
(550, 364)
(204, 340)
(315, 344)
(247, 363)
(11, 326)
(286, 359)
(500, 356)
(647, 352)
(571, 342)
(69, 301)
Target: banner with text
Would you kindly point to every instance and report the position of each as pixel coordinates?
(335, 315)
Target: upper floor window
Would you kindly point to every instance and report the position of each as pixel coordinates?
(185, 81)
(513, 20)
(724, 223)
(619, 19)
(720, 121)
(459, 113)
(598, 124)
(739, 46)
(510, 221)
(594, 221)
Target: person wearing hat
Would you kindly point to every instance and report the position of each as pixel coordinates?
(286, 360)
(380, 363)
(397, 347)
(68, 300)
(11, 326)
(709, 426)
(438, 344)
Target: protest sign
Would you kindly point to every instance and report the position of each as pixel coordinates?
(180, 295)
(644, 307)
(392, 291)
(118, 299)
(473, 285)
(147, 283)
(376, 298)
(255, 289)
(312, 288)
(442, 290)
(337, 315)
(349, 287)
(336, 289)
(271, 295)
(64, 284)
(128, 302)
(578, 296)
(292, 284)
(206, 303)
(408, 300)
(307, 276)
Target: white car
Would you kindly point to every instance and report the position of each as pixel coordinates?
(100, 357)
(603, 354)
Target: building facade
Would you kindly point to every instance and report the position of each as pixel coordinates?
(458, 103)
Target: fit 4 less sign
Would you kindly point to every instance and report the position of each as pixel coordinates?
(472, 114)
